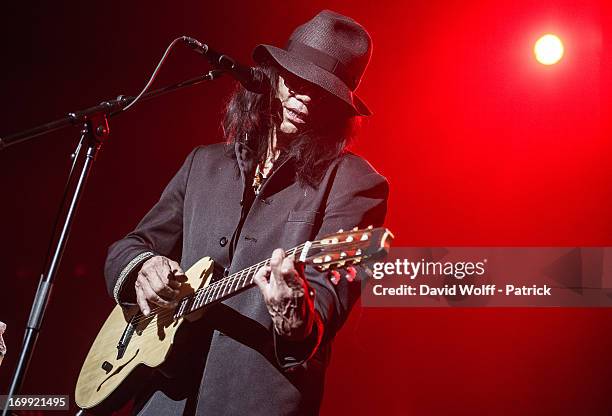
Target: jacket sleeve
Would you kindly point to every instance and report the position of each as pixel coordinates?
(358, 198)
(158, 233)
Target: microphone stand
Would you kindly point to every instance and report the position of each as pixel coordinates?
(94, 133)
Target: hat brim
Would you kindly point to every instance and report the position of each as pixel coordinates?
(311, 73)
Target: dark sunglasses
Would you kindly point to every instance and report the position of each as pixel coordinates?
(297, 85)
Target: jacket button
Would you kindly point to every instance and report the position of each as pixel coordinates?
(222, 241)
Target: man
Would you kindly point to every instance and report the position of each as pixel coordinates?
(283, 177)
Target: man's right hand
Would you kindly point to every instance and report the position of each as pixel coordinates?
(158, 283)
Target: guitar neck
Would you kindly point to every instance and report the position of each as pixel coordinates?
(225, 287)
(338, 250)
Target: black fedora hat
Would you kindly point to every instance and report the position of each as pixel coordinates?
(331, 51)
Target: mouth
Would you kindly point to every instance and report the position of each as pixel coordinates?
(295, 116)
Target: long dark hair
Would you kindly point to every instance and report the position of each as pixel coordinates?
(249, 118)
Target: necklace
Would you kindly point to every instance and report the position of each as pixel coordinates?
(262, 173)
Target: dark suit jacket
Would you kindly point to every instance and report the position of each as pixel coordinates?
(246, 369)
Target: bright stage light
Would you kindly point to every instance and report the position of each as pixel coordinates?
(548, 49)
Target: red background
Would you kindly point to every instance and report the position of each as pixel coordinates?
(481, 145)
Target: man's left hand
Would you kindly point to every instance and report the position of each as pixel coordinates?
(287, 296)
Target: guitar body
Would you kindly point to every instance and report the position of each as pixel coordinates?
(128, 339)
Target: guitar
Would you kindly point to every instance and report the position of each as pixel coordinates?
(129, 339)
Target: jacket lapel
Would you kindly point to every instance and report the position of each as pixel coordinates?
(282, 177)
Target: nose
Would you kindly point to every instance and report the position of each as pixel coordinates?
(303, 97)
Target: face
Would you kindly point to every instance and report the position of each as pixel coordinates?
(302, 103)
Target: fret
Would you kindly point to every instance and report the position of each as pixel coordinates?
(221, 290)
(198, 301)
(234, 282)
(209, 291)
(228, 285)
(194, 301)
(245, 277)
(222, 285)
(239, 277)
(215, 291)
(182, 306)
(218, 290)
(176, 312)
(190, 303)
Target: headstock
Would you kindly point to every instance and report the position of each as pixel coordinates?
(347, 248)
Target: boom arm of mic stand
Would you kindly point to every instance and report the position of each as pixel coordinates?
(110, 108)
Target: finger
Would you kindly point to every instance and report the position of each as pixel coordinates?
(261, 280)
(154, 298)
(178, 274)
(174, 284)
(159, 282)
(288, 271)
(276, 263)
(141, 300)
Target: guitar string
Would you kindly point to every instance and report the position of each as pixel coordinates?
(237, 276)
(226, 281)
(161, 315)
(162, 312)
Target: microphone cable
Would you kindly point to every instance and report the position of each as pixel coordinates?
(155, 72)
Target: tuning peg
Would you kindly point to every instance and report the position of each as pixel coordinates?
(335, 276)
(350, 273)
(370, 227)
(340, 230)
(355, 228)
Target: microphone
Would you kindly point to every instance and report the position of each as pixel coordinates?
(251, 79)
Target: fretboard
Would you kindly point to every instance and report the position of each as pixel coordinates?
(225, 287)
